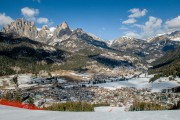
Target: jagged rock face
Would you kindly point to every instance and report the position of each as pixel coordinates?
(27, 29)
(62, 32)
(79, 41)
(23, 28)
(80, 34)
(44, 34)
(65, 38)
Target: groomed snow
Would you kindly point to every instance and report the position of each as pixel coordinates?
(109, 109)
(9, 113)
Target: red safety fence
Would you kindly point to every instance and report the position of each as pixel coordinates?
(18, 104)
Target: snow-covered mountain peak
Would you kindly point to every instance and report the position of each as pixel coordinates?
(127, 37)
(174, 36)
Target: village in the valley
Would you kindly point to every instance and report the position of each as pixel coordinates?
(112, 91)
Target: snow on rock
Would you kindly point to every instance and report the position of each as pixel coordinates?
(27, 85)
(151, 60)
(24, 78)
(49, 48)
(61, 80)
(175, 39)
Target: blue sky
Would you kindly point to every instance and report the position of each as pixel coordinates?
(108, 19)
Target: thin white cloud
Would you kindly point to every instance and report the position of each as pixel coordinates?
(4, 20)
(129, 21)
(151, 28)
(173, 24)
(153, 22)
(42, 20)
(29, 13)
(136, 13)
(32, 13)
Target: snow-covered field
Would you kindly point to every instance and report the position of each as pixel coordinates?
(9, 113)
(22, 78)
(143, 82)
(139, 83)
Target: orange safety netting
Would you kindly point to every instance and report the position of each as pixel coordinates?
(18, 104)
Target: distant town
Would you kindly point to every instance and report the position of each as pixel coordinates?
(46, 91)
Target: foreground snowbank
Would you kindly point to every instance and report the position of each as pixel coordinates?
(8, 113)
(109, 109)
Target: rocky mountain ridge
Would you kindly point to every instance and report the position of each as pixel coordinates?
(85, 51)
(23, 28)
(63, 32)
(88, 45)
(149, 50)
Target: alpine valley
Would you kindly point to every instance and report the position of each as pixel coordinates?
(73, 70)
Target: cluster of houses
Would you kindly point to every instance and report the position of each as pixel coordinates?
(50, 90)
(126, 96)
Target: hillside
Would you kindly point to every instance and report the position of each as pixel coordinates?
(67, 49)
(23, 55)
(63, 49)
(167, 65)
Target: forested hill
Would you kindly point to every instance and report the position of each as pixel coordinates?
(167, 65)
(20, 54)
